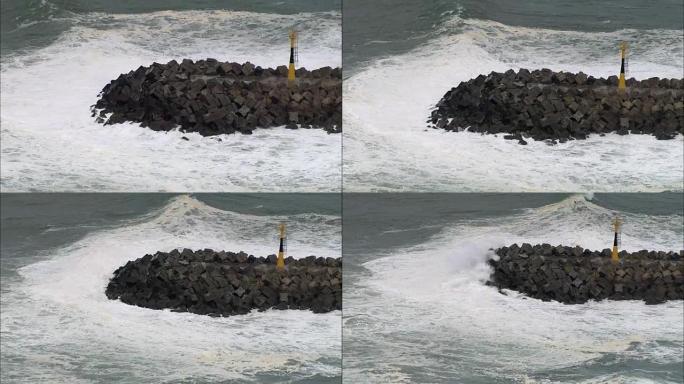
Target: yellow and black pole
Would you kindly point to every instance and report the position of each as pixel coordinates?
(623, 53)
(616, 229)
(293, 55)
(280, 262)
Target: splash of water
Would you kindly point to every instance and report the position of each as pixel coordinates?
(50, 141)
(58, 313)
(431, 305)
(388, 146)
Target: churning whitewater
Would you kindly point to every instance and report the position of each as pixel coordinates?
(50, 141)
(388, 146)
(425, 313)
(58, 325)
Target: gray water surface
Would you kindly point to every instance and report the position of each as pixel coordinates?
(382, 28)
(37, 23)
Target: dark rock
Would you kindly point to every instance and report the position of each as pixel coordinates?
(212, 98)
(560, 106)
(576, 275)
(226, 283)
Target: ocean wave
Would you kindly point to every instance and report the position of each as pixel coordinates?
(57, 313)
(50, 141)
(386, 104)
(430, 305)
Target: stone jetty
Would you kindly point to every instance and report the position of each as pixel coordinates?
(223, 283)
(212, 98)
(560, 106)
(575, 275)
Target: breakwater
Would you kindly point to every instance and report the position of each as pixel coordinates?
(212, 97)
(574, 275)
(223, 283)
(560, 106)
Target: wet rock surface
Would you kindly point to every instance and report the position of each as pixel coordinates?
(574, 275)
(212, 97)
(561, 106)
(223, 283)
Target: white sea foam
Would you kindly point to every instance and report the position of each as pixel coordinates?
(386, 104)
(50, 141)
(59, 326)
(435, 316)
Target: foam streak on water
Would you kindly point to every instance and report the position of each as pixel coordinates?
(424, 314)
(50, 141)
(386, 105)
(58, 326)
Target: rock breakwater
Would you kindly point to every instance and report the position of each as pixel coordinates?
(574, 275)
(212, 97)
(560, 106)
(222, 283)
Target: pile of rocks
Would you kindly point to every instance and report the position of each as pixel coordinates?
(212, 98)
(222, 283)
(559, 106)
(575, 275)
